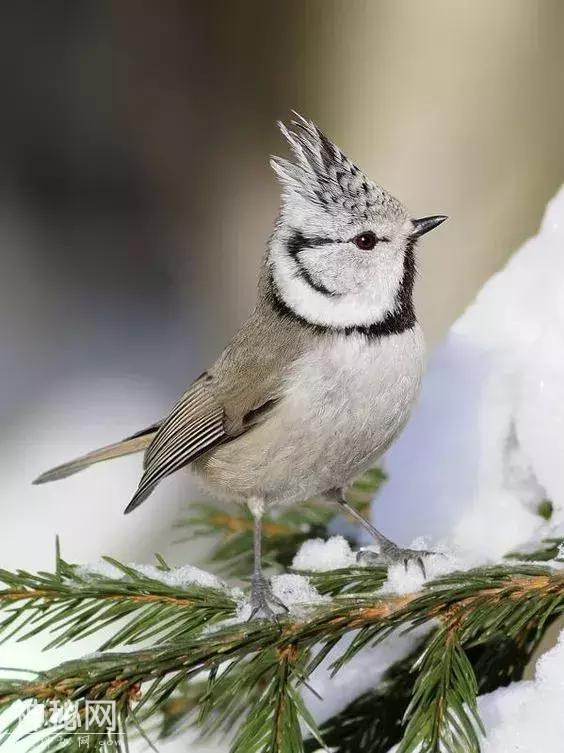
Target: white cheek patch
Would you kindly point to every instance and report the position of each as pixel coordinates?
(369, 303)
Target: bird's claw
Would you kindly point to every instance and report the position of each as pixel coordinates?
(262, 596)
(391, 554)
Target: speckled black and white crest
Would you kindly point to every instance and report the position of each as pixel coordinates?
(322, 174)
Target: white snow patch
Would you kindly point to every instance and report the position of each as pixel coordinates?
(178, 577)
(295, 590)
(526, 717)
(442, 562)
(185, 575)
(486, 441)
(100, 568)
(318, 555)
(243, 614)
(483, 449)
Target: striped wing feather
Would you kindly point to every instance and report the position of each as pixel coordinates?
(195, 425)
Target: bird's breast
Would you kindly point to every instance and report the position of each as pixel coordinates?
(356, 392)
(343, 403)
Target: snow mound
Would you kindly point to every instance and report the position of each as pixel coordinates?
(318, 555)
(527, 717)
(484, 448)
(295, 590)
(402, 580)
(486, 442)
(177, 577)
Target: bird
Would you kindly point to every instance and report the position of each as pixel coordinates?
(321, 378)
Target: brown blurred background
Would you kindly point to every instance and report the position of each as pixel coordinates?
(136, 198)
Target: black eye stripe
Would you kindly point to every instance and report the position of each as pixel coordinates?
(295, 244)
(298, 241)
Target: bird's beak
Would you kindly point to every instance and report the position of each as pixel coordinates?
(422, 226)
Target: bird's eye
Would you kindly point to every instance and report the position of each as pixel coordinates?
(365, 241)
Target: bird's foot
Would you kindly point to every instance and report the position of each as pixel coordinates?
(391, 554)
(263, 599)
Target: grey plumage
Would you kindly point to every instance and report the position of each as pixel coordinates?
(320, 379)
(136, 443)
(322, 174)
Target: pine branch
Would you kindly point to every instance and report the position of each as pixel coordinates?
(551, 549)
(348, 580)
(274, 723)
(443, 712)
(179, 711)
(373, 721)
(473, 608)
(72, 604)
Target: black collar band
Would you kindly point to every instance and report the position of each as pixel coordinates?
(399, 320)
(394, 323)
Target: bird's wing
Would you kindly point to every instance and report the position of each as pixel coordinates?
(239, 391)
(194, 425)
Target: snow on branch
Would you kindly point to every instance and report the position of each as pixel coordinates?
(254, 669)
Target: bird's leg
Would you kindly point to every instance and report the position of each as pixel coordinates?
(261, 592)
(390, 553)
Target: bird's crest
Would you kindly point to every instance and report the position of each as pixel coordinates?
(322, 174)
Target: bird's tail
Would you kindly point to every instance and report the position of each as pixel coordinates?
(128, 446)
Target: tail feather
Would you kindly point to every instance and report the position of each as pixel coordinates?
(127, 446)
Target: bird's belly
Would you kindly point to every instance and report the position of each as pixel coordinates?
(344, 405)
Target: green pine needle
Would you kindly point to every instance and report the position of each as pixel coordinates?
(263, 663)
(70, 605)
(442, 715)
